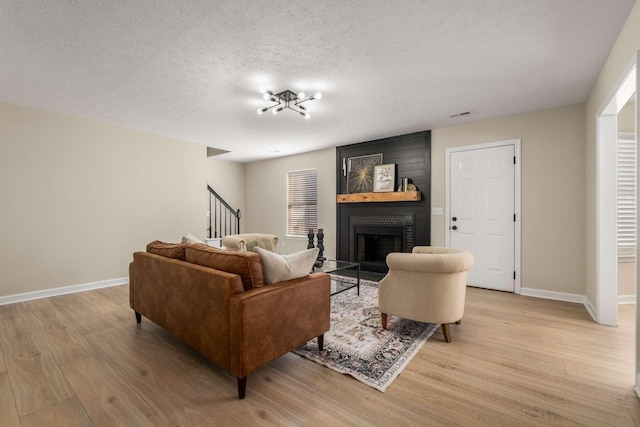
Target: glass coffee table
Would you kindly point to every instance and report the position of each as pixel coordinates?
(340, 283)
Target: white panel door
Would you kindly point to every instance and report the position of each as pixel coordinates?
(482, 213)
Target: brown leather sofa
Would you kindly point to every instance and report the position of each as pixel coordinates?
(216, 302)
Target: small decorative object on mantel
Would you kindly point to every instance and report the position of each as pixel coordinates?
(384, 177)
(405, 185)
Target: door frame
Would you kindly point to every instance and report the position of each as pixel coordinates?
(606, 303)
(516, 199)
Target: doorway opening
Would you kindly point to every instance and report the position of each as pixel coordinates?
(606, 304)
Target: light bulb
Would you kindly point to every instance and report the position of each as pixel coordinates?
(266, 96)
(302, 95)
(307, 115)
(277, 110)
(318, 95)
(260, 111)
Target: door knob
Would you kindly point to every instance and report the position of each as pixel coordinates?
(454, 219)
(455, 227)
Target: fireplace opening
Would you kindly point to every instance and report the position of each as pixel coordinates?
(373, 244)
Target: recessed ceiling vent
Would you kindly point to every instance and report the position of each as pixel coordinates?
(466, 113)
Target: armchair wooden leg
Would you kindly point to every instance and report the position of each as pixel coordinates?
(138, 317)
(445, 332)
(320, 342)
(242, 387)
(383, 319)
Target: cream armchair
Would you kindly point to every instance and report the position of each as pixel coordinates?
(247, 241)
(427, 285)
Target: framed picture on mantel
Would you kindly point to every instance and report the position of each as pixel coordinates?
(360, 173)
(384, 178)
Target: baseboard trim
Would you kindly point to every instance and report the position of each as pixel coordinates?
(626, 299)
(579, 299)
(558, 296)
(591, 308)
(46, 293)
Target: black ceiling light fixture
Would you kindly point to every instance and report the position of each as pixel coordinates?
(288, 99)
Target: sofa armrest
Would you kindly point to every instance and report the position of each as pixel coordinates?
(234, 243)
(270, 321)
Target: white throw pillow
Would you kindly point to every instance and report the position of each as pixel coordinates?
(278, 268)
(190, 238)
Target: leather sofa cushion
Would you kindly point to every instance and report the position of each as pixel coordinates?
(245, 264)
(169, 250)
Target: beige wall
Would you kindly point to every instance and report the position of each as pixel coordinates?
(552, 175)
(627, 118)
(626, 279)
(552, 156)
(266, 197)
(78, 197)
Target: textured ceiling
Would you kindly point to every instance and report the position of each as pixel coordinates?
(194, 69)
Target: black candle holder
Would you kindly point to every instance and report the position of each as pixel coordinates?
(310, 236)
(321, 258)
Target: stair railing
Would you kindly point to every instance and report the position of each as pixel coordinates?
(223, 219)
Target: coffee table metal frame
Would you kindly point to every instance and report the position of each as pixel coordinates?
(333, 266)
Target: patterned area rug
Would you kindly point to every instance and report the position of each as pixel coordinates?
(358, 346)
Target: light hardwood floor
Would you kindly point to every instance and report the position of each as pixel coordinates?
(82, 360)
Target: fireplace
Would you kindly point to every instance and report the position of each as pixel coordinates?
(374, 243)
(369, 228)
(373, 237)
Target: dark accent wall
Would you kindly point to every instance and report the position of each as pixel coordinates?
(411, 154)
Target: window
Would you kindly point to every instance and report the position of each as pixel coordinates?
(626, 180)
(302, 201)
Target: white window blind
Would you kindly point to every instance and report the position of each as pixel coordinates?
(626, 177)
(302, 201)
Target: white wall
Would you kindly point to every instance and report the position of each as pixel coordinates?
(266, 197)
(552, 162)
(79, 197)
